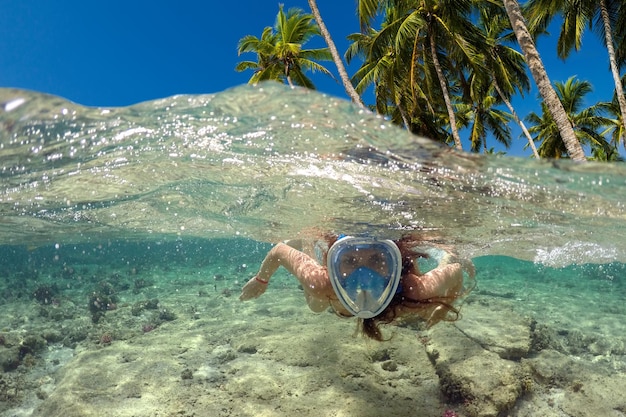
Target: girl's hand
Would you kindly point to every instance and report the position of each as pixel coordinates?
(253, 289)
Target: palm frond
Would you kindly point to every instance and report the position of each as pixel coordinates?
(246, 65)
(367, 10)
(300, 79)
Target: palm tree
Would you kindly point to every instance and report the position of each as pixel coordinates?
(435, 30)
(265, 68)
(401, 90)
(506, 66)
(608, 38)
(483, 116)
(615, 128)
(615, 125)
(546, 132)
(576, 16)
(450, 31)
(378, 68)
(586, 121)
(391, 71)
(343, 74)
(620, 35)
(279, 50)
(538, 71)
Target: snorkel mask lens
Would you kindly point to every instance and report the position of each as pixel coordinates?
(365, 274)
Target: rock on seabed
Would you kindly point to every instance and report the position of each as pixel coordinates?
(477, 366)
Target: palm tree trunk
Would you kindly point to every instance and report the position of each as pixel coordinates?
(413, 62)
(619, 88)
(405, 119)
(516, 118)
(343, 74)
(538, 71)
(287, 76)
(446, 95)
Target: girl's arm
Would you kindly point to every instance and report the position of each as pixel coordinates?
(436, 289)
(312, 276)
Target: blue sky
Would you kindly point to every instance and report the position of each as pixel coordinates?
(118, 53)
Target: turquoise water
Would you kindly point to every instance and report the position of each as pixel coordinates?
(178, 200)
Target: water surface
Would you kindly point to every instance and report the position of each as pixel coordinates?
(267, 162)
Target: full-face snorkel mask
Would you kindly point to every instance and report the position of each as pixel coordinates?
(365, 274)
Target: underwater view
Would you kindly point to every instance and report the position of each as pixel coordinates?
(127, 234)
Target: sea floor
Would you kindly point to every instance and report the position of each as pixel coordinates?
(174, 340)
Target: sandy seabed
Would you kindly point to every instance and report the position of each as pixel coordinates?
(519, 350)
